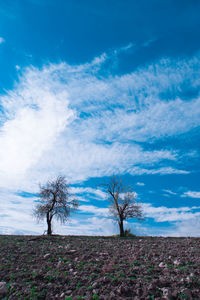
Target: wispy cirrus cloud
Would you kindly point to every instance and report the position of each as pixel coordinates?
(191, 194)
(166, 214)
(97, 193)
(62, 112)
(160, 171)
(169, 192)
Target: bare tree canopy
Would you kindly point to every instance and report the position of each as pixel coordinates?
(54, 200)
(122, 202)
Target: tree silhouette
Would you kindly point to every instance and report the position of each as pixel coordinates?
(123, 205)
(54, 200)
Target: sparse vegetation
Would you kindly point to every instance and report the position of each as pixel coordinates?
(64, 267)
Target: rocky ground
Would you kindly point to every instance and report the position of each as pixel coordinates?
(64, 267)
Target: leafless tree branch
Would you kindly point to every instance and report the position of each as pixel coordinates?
(54, 201)
(122, 202)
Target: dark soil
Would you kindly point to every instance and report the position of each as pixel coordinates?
(64, 267)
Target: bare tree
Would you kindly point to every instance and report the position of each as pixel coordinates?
(54, 200)
(123, 205)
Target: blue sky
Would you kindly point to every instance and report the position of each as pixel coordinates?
(89, 89)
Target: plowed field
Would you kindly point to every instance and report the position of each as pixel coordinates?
(64, 267)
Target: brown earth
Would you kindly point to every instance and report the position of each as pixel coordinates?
(66, 267)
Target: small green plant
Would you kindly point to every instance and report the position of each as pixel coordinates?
(95, 297)
(33, 293)
(182, 295)
(19, 294)
(34, 274)
(48, 277)
(12, 276)
(66, 259)
(68, 298)
(117, 267)
(10, 286)
(93, 275)
(182, 268)
(78, 285)
(127, 232)
(150, 270)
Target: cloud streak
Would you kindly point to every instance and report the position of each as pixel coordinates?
(191, 194)
(165, 214)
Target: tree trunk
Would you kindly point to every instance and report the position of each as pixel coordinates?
(49, 231)
(121, 227)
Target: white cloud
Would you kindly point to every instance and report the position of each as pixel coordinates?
(190, 228)
(81, 199)
(144, 116)
(124, 48)
(184, 228)
(16, 215)
(33, 131)
(169, 192)
(140, 183)
(1, 40)
(42, 128)
(90, 226)
(99, 194)
(161, 171)
(86, 159)
(98, 211)
(165, 214)
(191, 194)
